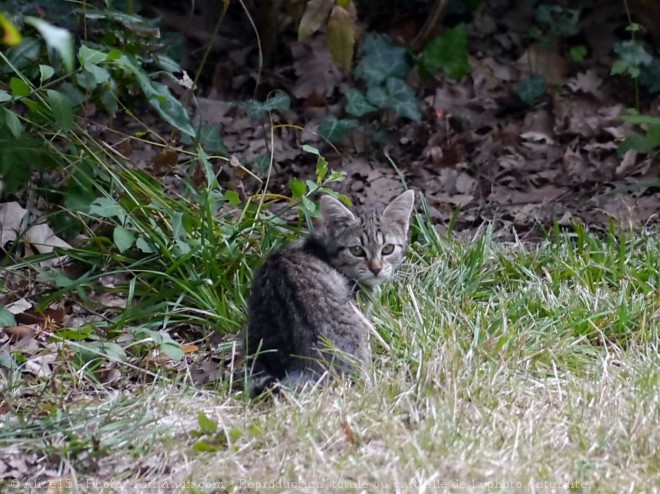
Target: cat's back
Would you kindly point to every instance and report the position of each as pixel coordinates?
(300, 276)
(297, 299)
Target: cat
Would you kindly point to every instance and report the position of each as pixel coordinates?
(303, 320)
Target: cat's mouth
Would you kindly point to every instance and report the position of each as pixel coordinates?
(373, 281)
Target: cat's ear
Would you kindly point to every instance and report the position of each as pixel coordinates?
(400, 209)
(334, 214)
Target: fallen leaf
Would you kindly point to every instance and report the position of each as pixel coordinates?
(19, 306)
(548, 63)
(20, 332)
(44, 239)
(189, 348)
(348, 432)
(11, 216)
(315, 69)
(587, 82)
(165, 161)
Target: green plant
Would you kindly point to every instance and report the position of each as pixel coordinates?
(46, 95)
(554, 25)
(645, 143)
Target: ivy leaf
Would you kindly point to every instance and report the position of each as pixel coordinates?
(448, 53)
(397, 96)
(531, 89)
(380, 59)
(403, 100)
(563, 22)
(357, 104)
(334, 130)
(279, 101)
(210, 138)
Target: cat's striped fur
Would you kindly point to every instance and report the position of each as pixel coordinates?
(303, 321)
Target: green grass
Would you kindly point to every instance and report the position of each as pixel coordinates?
(508, 367)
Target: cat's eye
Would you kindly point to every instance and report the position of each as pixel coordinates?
(387, 249)
(357, 251)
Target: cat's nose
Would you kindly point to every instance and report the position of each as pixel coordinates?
(375, 267)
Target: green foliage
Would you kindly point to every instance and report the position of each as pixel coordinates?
(397, 96)
(633, 56)
(649, 76)
(47, 91)
(209, 136)
(278, 101)
(6, 317)
(531, 89)
(383, 68)
(578, 53)
(302, 190)
(334, 129)
(57, 38)
(645, 143)
(357, 104)
(448, 53)
(562, 21)
(381, 60)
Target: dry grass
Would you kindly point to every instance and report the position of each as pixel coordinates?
(509, 370)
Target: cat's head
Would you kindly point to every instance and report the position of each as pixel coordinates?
(364, 243)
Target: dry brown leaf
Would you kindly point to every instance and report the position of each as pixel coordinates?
(210, 111)
(315, 69)
(189, 348)
(587, 82)
(538, 127)
(165, 161)
(350, 435)
(550, 64)
(627, 164)
(21, 332)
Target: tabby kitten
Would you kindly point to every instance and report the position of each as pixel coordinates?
(303, 319)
